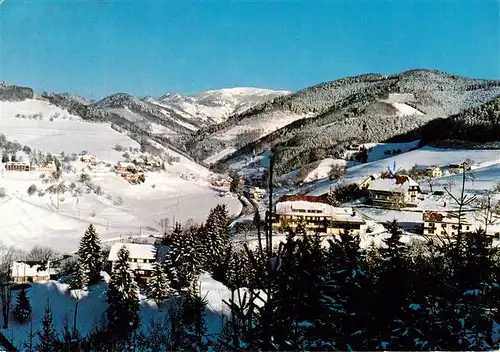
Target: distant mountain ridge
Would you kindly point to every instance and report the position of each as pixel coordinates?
(226, 125)
(364, 108)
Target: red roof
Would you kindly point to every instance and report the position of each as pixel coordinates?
(304, 198)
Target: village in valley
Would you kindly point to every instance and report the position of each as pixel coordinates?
(424, 199)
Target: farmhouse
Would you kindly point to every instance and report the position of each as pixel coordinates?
(31, 271)
(400, 189)
(50, 167)
(18, 166)
(316, 215)
(88, 159)
(434, 171)
(142, 257)
(459, 168)
(445, 223)
(123, 166)
(257, 193)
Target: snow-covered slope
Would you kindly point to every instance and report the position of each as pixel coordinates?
(216, 105)
(486, 166)
(181, 191)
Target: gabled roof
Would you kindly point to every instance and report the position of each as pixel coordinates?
(31, 268)
(136, 251)
(447, 217)
(398, 184)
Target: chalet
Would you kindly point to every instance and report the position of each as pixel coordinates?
(257, 193)
(459, 168)
(445, 223)
(141, 258)
(88, 159)
(132, 178)
(354, 147)
(122, 166)
(316, 215)
(434, 171)
(399, 189)
(49, 168)
(18, 166)
(32, 271)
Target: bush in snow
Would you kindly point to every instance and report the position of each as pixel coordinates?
(3, 193)
(32, 190)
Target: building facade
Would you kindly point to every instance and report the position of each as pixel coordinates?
(18, 166)
(445, 223)
(315, 214)
(31, 271)
(388, 192)
(141, 258)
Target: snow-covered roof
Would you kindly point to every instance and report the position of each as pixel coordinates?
(446, 217)
(30, 269)
(125, 164)
(339, 214)
(139, 251)
(399, 184)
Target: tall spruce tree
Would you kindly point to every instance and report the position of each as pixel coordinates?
(193, 320)
(89, 254)
(79, 280)
(123, 298)
(47, 336)
(217, 240)
(158, 287)
(22, 310)
(184, 260)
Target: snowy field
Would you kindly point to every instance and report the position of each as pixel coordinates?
(486, 166)
(38, 220)
(71, 135)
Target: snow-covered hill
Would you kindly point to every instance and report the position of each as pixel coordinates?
(215, 106)
(180, 192)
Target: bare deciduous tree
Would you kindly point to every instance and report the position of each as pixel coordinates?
(41, 253)
(7, 257)
(488, 210)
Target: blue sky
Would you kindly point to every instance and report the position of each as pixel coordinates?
(95, 48)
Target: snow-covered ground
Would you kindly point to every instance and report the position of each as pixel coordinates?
(120, 210)
(70, 134)
(486, 166)
(216, 157)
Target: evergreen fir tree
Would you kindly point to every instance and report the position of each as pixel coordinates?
(79, 280)
(184, 261)
(217, 240)
(193, 320)
(28, 345)
(89, 253)
(158, 287)
(392, 287)
(47, 336)
(22, 310)
(123, 298)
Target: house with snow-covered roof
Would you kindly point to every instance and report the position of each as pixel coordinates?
(141, 258)
(315, 214)
(445, 223)
(32, 271)
(400, 189)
